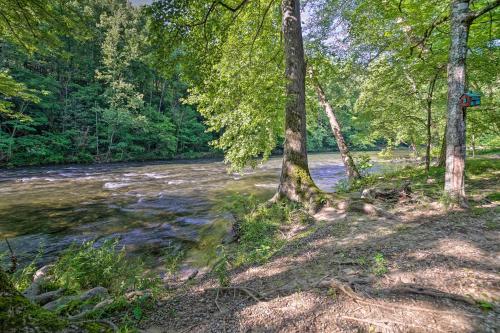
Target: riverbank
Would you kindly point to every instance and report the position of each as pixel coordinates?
(427, 269)
(410, 265)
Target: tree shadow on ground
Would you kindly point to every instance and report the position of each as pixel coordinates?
(453, 252)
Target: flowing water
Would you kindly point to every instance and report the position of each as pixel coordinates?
(145, 205)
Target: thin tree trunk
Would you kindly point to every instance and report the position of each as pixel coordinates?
(430, 93)
(96, 135)
(429, 137)
(162, 95)
(413, 147)
(442, 154)
(296, 183)
(455, 135)
(473, 145)
(350, 167)
(112, 136)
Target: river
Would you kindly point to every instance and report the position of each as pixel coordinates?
(146, 205)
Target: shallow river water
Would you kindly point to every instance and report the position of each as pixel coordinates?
(145, 205)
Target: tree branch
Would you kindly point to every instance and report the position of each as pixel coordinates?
(233, 9)
(429, 31)
(400, 7)
(475, 14)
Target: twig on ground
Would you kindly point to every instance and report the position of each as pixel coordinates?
(217, 300)
(319, 281)
(371, 322)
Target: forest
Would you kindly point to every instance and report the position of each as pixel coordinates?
(278, 166)
(104, 84)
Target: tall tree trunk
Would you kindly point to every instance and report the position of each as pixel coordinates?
(461, 19)
(455, 135)
(296, 183)
(350, 167)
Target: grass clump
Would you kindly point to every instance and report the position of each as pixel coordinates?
(258, 234)
(259, 231)
(172, 257)
(86, 266)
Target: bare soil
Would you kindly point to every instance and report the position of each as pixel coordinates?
(437, 271)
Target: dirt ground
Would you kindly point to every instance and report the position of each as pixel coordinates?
(427, 270)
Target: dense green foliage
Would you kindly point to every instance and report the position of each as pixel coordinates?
(97, 96)
(410, 41)
(107, 81)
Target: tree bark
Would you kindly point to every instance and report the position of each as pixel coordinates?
(296, 183)
(454, 185)
(350, 167)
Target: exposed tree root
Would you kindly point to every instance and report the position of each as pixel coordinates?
(250, 292)
(419, 290)
(386, 321)
(347, 290)
(38, 278)
(365, 207)
(99, 321)
(388, 194)
(47, 297)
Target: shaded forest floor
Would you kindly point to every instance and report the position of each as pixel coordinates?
(428, 270)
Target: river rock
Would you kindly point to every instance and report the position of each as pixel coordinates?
(42, 273)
